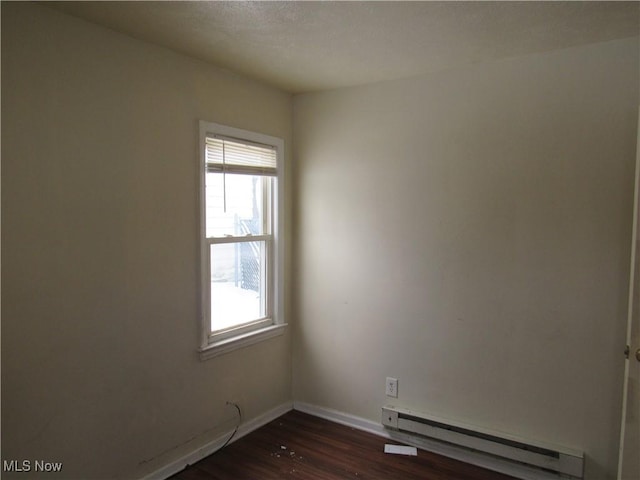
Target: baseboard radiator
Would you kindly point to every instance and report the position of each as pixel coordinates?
(555, 459)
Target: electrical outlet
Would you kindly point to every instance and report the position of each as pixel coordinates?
(392, 387)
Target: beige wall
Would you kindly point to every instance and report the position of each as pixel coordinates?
(468, 232)
(99, 249)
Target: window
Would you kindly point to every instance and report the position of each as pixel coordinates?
(241, 185)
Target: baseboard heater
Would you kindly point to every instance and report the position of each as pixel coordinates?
(550, 458)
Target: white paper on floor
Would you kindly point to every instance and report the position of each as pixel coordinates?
(400, 449)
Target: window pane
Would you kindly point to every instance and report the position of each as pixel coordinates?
(234, 204)
(238, 277)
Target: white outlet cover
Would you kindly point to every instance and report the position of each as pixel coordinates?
(392, 387)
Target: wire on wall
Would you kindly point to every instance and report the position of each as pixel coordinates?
(233, 434)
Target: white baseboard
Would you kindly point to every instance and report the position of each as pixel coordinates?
(336, 416)
(207, 449)
(457, 453)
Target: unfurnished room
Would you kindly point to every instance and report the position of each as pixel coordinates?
(320, 240)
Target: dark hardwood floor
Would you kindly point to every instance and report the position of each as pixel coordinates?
(302, 446)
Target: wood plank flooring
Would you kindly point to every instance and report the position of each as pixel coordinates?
(301, 446)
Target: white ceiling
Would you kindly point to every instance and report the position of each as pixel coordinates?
(308, 46)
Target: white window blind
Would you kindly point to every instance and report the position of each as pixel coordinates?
(230, 155)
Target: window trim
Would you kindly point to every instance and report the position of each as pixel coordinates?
(214, 344)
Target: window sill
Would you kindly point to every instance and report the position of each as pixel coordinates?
(227, 345)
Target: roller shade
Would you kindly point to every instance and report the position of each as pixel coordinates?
(230, 155)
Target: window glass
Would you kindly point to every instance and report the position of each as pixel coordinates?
(235, 204)
(238, 290)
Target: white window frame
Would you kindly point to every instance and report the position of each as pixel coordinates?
(217, 343)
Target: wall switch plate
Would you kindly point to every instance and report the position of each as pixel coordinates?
(392, 387)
